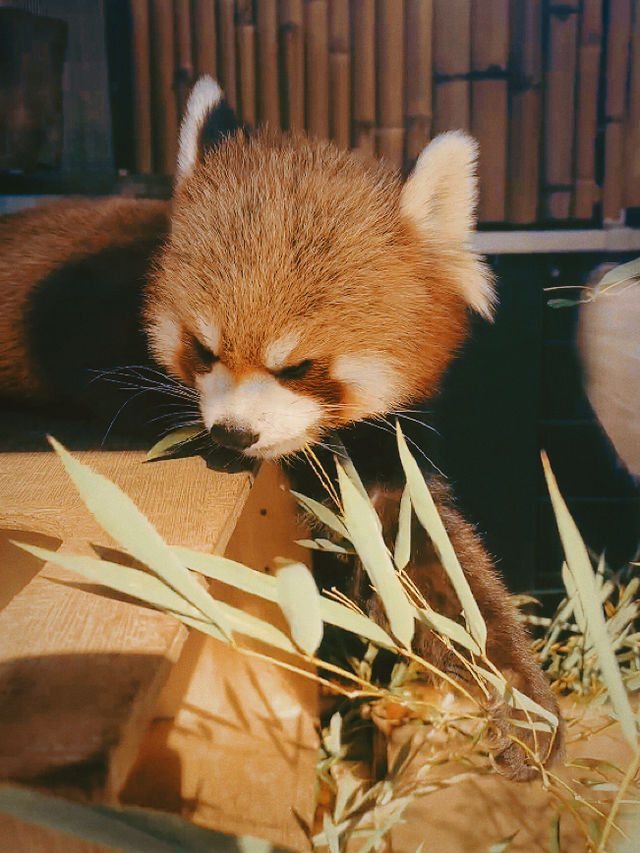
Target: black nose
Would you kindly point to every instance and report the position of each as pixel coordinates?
(234, 439)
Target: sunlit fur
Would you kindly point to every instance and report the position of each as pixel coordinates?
(278, 238)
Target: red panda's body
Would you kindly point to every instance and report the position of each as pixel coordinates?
(298, 290)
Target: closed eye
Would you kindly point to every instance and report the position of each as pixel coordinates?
(205, 357)
(295, 371)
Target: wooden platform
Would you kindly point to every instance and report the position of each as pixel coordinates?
(106, 700)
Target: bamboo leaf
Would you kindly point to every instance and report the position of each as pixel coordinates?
(120, 518)
(515, 698)
(323, 545)
(299, 600)
(500, 846)
(452, 630)
(263, 585)
(363, 528)
(173, 441)
(322, 513)
(620, 273)
(428, 516)
(402, 553)
(581, 570)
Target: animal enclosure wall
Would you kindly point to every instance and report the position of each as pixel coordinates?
(551, 91)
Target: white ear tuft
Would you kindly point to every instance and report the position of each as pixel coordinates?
(439, 198)
(204, 98)
(440, 194)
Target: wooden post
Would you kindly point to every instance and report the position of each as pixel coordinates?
(559, 119)
(317, 67)
(419, 76)
(525, 138)
(164, 100)
(364, 75)
(452, 65)
(390, 81)
(246, 47)
(588, 84)
(268, 89)
(293, 77)
(204, 37)
(183, 77)
(141, 85)
(632, 127)
(228, 72)
(489, 118)
(340, 72)
(617, 66)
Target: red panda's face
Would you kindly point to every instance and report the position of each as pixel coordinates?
(300, 289)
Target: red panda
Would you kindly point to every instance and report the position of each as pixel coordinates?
(295, 290)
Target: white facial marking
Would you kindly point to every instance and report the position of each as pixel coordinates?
(210, 335)
(165, 336)
(371, 378)
(276, 353)
(283, 419)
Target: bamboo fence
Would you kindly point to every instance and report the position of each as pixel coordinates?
(550, 90)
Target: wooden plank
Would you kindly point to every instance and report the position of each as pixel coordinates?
(81, 672)
(221, 709)
(227, 68)
(183, 79)
(618, 38)
(340, 72)
(632, 131)
(292, 37)
(246, 47)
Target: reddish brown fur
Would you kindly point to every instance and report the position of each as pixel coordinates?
(253, 248)
(34, 243)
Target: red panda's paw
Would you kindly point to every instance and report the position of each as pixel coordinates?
(519, 751)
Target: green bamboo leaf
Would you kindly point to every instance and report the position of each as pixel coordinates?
(500, 846)
(620, 273)
(299, 600)
(513, 697)
(452, 630)
(402, 552)
(554, 836)
(331, 834)
(322, 513)
(128, 829)
(428, 516)
(323, 545)
(563, 303)
(364, 531)
(120, 518)
(245, 624)
(172, 441)
(582, 574)
(263, 585)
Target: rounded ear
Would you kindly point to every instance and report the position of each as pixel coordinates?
(439, 198)
(207, 120)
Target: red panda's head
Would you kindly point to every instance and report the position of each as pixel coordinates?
(300, 288)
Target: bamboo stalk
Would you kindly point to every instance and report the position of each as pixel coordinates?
(452, 64)
(317, 67)
(617, 64)
(142, 85)
(525, 134)
(204, 36)
(489, 119)
(292, 39)
(246, 47)
(390, 80)
(560, 88)
(587, 108)
(164, 102)
(228, 73)
(340, 72)
(419, 32)
(267, 31)
(364, 75)
(632, 131)
(183, 77)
